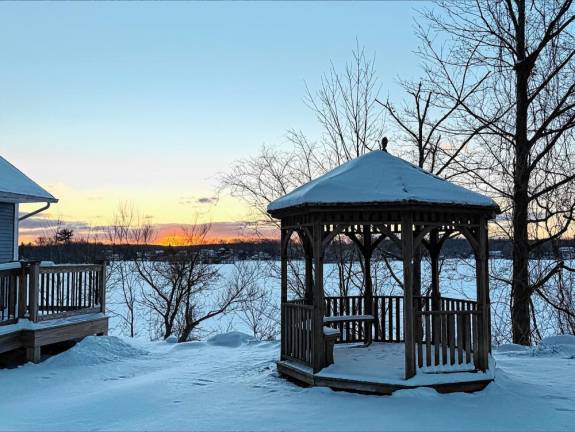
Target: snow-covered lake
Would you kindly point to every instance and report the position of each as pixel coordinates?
(457, 280)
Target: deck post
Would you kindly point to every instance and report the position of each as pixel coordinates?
(318, 351)
(33, 283)
(408, 315)
(102, 286)
(434, 257)
(22, 290)
(284, 279)
(483, 296)
(34, 354)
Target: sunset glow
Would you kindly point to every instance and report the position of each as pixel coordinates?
(114, 103)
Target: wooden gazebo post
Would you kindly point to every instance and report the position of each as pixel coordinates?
(483, 295)
(318, 352)
(308, 257)
(284, 238)
(434, 251)
(408, 312)
(367, 281)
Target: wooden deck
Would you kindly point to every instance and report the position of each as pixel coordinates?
(378, 369)
(44, 305)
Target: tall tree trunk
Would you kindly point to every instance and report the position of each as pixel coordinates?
(520, 292)
(168, 328)
(185, 333)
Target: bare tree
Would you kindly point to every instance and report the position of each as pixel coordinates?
(352, 125)
(345, 107)
(122, 275)
(346, 257)
(519, 56)
(427, 125)
(259, 311)
(181, 289)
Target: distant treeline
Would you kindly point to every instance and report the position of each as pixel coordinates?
(80, 252)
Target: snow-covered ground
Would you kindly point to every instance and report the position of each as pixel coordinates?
(230, 383)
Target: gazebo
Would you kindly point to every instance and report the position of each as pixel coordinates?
(378, 344)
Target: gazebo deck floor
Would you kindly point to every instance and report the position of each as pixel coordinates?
(379, 369)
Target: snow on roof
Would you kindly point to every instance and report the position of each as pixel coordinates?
(15, 186)
(379, 177)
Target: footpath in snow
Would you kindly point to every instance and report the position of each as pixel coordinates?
(230, 383)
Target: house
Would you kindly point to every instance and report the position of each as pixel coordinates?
(567, 252)
(16, 189)
(42, 303)
(496, 254)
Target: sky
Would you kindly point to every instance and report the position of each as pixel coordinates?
(148, 103)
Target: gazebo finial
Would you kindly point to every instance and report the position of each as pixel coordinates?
(383, 145)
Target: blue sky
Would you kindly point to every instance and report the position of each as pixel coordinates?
(112, 99)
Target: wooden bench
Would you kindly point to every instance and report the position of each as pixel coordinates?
(347, 318)
(331, 334)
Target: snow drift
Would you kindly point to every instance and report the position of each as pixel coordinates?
(94, 350)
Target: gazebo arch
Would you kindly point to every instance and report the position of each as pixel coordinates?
(375, 197)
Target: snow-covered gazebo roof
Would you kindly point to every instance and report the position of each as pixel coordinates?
(380, 178)
(16, 187)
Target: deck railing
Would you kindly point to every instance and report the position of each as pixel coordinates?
(9, 282)
(65, 290)
(297, 332)
(38, 292)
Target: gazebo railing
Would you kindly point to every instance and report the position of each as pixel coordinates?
(453, 304)
(387, 312)
(297, 332)
(446, 338)
(353, 306)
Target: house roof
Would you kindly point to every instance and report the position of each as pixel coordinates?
(16, 187)
(377, 178)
